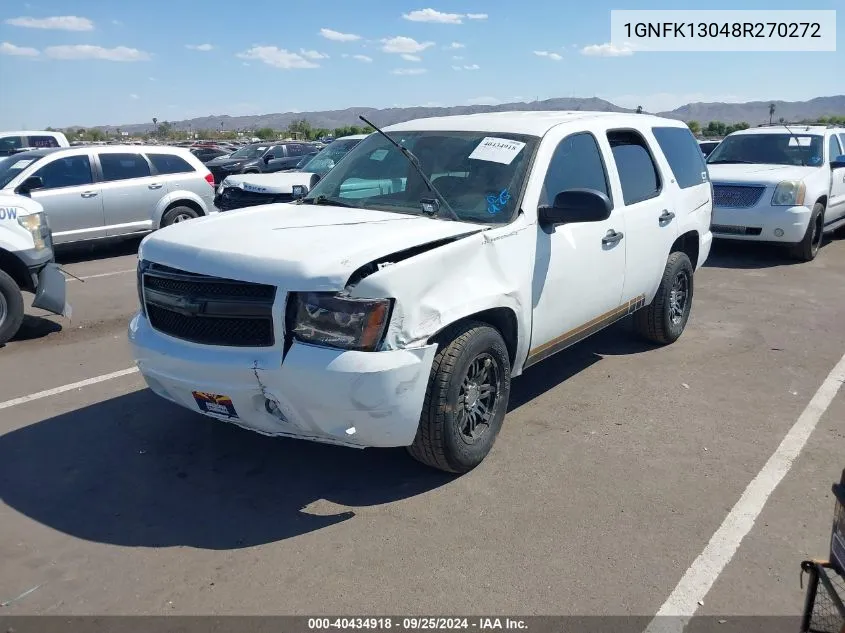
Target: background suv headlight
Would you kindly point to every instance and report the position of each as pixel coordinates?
(332, 320)
(789, 193)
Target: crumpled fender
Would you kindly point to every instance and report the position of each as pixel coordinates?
(432, 290)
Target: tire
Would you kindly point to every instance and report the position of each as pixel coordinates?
(11, 308)
(443, 437)
(178, 214)
(807, 249)
(663, 320)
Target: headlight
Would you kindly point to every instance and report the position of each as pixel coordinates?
(326, 318)
(39, 228)
(142, 268)
(789, 193)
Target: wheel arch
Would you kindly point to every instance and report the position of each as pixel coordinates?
(688, 243)
(12, 265)
(502, 319)
(178, 200)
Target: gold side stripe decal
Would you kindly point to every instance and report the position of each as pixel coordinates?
(607, 318)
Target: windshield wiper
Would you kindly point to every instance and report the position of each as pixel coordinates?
(321, 199)
(442, 202)
(726, 161)
(798, 144)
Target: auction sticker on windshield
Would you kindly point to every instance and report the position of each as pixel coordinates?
(497, 150)
(215, 404)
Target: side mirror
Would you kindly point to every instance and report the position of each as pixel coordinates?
(33, 182)
(268, 157)
(838, 162)
(576, 205)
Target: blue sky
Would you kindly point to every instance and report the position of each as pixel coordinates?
(90, 62)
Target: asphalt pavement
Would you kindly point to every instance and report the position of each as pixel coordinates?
(617, 464)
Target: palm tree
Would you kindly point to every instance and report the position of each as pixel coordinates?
(639, 109)
(771, 112)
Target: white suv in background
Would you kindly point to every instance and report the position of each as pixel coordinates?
(100, 192)
(781, 184)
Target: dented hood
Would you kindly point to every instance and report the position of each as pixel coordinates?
(296, 247)
(280, 182)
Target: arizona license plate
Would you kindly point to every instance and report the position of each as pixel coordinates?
(215, 404)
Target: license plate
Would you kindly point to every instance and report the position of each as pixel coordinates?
(215, 404)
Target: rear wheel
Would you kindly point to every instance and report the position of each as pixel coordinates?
(11, 308)
(466, 399)
(664, 319)
(807, 249)
(178, 214)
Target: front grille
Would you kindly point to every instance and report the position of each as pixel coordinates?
(209, 310)
(737, 196)
(736, 230)
(237, 198)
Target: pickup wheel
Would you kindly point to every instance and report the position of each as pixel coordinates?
(465, 401)
(664, 319)
(178, 214)
(807, 249)
(11, 308)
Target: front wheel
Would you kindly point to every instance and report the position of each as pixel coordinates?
(807, 249)
(178, 214)
(664, 319)
(11, 308)
(465, 401)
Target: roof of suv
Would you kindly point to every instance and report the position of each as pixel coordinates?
(535, 123)
(789, 129)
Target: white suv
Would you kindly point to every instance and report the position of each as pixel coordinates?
(394, 303)
(781, 184)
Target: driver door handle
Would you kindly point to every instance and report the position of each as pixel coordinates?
(155, 185)
(612, 237)
(88, 194)
(665, 217)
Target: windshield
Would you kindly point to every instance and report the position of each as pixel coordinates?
(11, 166)
(250, 151)
(329, 156)
(770, 149)
(480, 175)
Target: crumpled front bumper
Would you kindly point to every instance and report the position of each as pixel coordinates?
(350, 398)
(51, 291)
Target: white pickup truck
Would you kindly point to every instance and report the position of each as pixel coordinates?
(783, 184)
(394, 303)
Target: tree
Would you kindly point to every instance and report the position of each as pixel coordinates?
(300, 129)
(695, 127)
(639, 109)
(266, 133)
(771, 112)
(155, 125)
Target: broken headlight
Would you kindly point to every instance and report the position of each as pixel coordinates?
(39, 229)
(332, 320)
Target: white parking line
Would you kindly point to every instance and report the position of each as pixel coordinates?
(116, 272)
(76, 385)
(699, 578)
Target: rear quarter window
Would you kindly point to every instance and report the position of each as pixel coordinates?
(8, 144)
(43, 141)
(170, 164)
(683, 155)
(638, 174)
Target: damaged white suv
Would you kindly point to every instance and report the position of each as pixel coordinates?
(394, 303)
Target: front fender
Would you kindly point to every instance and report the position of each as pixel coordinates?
(446, 284)
(176, 196)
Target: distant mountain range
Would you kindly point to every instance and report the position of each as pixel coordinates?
(753, 113)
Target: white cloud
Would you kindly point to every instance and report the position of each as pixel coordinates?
(277, 57)
(117, 22)
(408, 71)
(483, 101)
(477, 16)
(134, 96)
(87, 51)
(606, 50)
(152, 78)
(430, 15)
(7, 48)
(402, 44)
(199, 47)
(363, 58)
(549, 54)
(454, 46)
(456, 68)
(457, 57)
(245, 64)
(313, 54)
(411, 58)
(472, 67)
(57, 23)
(337, 36)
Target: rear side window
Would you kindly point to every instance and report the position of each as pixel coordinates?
(576, 164)
(123, 166)
(835, 149)
(684, 155)
(66, 172)
(638, 174)
(296, 150)
(170, 164)
(43, 141)
(10, 143)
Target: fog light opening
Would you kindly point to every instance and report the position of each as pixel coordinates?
(778, 232)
